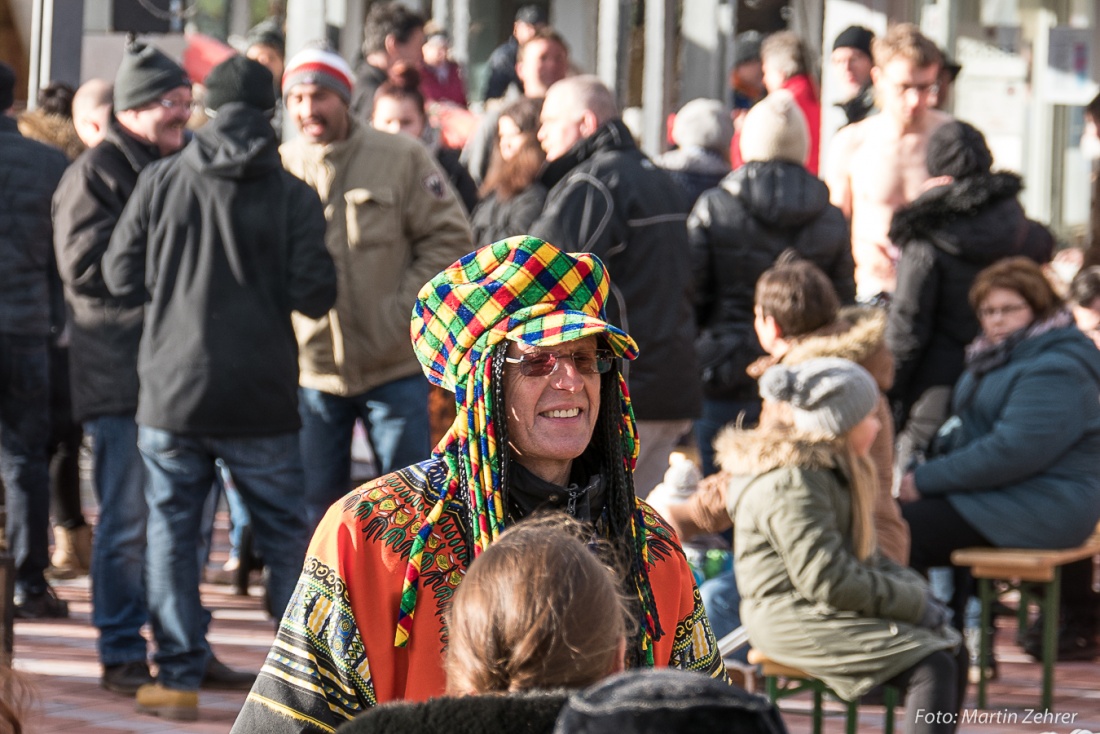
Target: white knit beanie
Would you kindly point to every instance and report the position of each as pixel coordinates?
(703, 123)
(826, 395)
(775, 129)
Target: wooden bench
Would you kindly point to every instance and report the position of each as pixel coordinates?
(1025, 570)
(781, 681)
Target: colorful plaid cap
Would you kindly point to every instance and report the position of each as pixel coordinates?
(521, 288)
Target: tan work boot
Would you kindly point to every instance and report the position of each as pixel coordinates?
(72, 552)
(168, 703)
(63, 561)
(82, 546)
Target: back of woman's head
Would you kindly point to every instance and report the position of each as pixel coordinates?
(402, 83)
(56, 98)
(1025, 277)
(537, 609)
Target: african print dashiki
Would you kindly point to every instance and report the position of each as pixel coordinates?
(334, 655)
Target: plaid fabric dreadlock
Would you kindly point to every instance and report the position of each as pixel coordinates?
(525, 290)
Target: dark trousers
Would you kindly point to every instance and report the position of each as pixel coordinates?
(24, 432)
(935, 689)
(66, 436)
(937, 529)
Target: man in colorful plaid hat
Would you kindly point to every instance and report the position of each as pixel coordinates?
(517, 331)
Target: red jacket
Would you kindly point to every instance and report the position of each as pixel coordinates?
(443, 84)
(805, 94)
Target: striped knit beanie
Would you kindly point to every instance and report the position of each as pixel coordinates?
(320, 67)
(524, 290)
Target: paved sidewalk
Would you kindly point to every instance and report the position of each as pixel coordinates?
(58, 659)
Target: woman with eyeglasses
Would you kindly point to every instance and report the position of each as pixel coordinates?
(967, 219)
(1017, 459)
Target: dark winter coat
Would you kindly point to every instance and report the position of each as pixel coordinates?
(495, 218)
(695, 170)
(104, 330)
(502, 69)
(947, 236)
(226, 244)
(368, 78)
(1022, 464)
(29, 174)
(606, 197)
(460, 178)
(529, 712)
(738, 231)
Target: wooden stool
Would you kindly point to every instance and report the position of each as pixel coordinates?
(1019, 567)
(798, 681)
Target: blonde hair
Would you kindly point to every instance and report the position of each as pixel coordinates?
(524, 615)
(906, 41)
(778, 420)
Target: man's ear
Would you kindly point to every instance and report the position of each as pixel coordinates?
(875, 74)
(391, 45)
(589, 123)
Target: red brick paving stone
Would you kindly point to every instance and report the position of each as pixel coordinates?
(58, 658)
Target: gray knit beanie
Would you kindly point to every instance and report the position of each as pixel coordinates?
(775, 129)
(144, 76)
(826, 395)
(703, 123)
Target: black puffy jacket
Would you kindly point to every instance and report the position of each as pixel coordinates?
(29, 173)
(606, 197)
(738, 230)
(946, 236)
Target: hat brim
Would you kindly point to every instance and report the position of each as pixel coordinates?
(566, 326)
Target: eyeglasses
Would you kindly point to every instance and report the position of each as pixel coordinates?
(989, 312)
(922, 90)
(542, 364)
(172, 104)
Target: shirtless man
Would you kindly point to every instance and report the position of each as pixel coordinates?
(877, 165)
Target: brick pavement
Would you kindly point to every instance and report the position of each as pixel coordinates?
(58, 659)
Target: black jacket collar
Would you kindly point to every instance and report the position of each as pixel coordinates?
(612, 135)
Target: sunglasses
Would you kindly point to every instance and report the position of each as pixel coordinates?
(542, 364)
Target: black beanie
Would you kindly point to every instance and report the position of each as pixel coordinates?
(658, 700)
(957, 149)
(7, 87)
(238, 79)
(855, 36)
(144, 75)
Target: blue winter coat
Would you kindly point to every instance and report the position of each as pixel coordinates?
(1025, 465)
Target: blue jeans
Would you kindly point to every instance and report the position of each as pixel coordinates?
(396, 418)
(24, 457)
(268, 474)
(716, 415)
(722, 601)
(118, 557)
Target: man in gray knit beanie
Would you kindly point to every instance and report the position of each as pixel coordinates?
(827, 396)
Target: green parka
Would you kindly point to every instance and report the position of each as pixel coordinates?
(806, 599)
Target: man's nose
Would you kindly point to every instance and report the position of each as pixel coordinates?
(566, 376)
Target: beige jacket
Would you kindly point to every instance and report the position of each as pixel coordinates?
(393, 224)
(857, 335)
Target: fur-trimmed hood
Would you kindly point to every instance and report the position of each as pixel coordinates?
(52, 130)
(754, 452)
(977, 218)
(858, 335)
